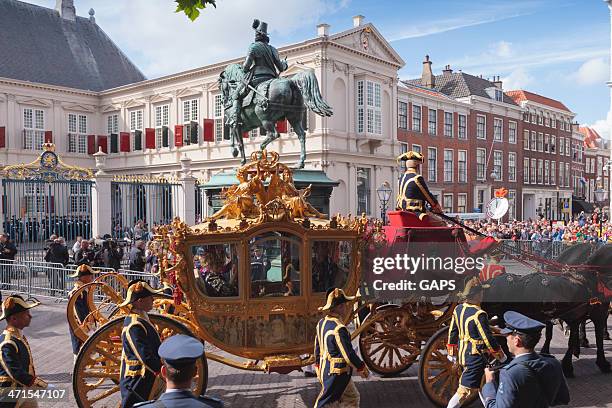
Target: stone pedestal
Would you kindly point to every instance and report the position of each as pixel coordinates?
(101, 218)
(186, 198)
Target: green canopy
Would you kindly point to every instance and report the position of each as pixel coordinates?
(317, 178)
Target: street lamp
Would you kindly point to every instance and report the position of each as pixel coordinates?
(601, 196)
(384, 194)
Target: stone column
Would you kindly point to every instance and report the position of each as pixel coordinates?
(351, 188)
(186, 197)
(100, 198)
(609, 3)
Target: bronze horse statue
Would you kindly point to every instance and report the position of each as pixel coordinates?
(281, 98)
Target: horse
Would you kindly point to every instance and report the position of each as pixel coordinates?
(570, 297)
(286, 98)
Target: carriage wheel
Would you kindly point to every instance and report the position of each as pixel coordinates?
(95, 377)
(388, 346)
(439, 377)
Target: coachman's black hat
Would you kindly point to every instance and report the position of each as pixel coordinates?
(15, 304)
(336, 297)
(139, 289)
(82, 270)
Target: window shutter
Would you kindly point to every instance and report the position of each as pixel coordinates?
(138, 140)
(2, 136)
(150, 138)
(103, 143)
(91, 144)
(209, 130)
(165, 136)
(114, 143)
(48, 136)
(178, 135)
(194, 132)
(245, 135)
(124, 141)
(281, 126)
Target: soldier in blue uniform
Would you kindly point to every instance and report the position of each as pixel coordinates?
(413, 192)
(335, 358)
(84, 274)
(140, 363)
(470, 340)
(179, 354)
(17, 368)
(530, 380)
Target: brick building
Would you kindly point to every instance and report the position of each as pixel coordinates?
(470, 142)
(596, 168)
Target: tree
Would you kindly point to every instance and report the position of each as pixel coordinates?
(192, 7)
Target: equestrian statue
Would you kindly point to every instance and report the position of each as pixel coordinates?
(255, 97)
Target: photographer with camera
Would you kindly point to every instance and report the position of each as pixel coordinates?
(112, 254)
(137, 257)
(85, 255)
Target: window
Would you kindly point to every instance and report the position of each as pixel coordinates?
(512, 129)
(526, 170)
(546, 172)
(432, 162)
(33, 128)
(416, 148)
(553, 123)
(512, 204)
(363, 190)
(462, 163)
(462, 127)
(561, 174)
(498, 162)
(372, 121)
(448, 165)
(433, 121)
(112, 124)
(448, 124)
(532, 142)
(191, 128)
(77, 133)
(561, 146)
(498, 135)
(481, 127)
(526, 140)
(499, 95)
(402, 115)
(533, 117)
(447, 203)
(525, 117)
(533, 171)
(540, 171)
(35, 198)
(416, 118)
(567, 147)
(162, 122)
(218, 118)
(546, 143)
(567, 175)
(540, 119)
(403, 149)
(553, 144)
(329, 256)
(221, 260)
(136, 129)
(480, 198)
(547, 121)
(540, 142)
(511, 166)
(79, 198)
(553, 173)
(481, 155)
(461, 202)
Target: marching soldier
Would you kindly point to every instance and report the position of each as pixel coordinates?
(413, 192)
(470, 340)
(140, 363)
(17, 369)
(530, 380)
(84, 274)
(335, 358)
(179, 354)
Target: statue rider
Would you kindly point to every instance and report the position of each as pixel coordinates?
(262, 63)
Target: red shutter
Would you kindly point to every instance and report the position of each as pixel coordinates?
(209, 130)
(178, 135)
(91, 144)
(281, 126)
(150, 138)
(48, 136)
(2, 136)
(124, 141)
(103, 143)
(245, 135)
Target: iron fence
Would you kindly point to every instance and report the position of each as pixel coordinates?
(546, 249)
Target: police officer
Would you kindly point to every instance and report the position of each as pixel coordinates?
(17, 368)
(140, 363)
(179, 354)
(413, 192)
(470, 340)
(84, 274)
(335, 358)
(530, 380)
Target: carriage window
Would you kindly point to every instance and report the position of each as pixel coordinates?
(275, 265)
(331, 263)
(216, 267)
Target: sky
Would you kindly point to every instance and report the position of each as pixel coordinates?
(556, 48)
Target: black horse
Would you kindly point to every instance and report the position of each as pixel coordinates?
(571, 297)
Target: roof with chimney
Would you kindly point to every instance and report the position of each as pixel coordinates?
(39, 45)
(425, 91)
(592, 139)
(521, 96)
(460, 85)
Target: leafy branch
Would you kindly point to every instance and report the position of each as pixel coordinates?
(192, 7)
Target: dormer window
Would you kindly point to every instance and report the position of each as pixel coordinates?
(499, 95)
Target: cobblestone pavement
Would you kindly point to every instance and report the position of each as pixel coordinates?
(49, 339)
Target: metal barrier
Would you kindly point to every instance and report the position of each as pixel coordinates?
(545, 248)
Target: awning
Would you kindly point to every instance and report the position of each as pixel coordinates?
(579, 205)
(317, 178)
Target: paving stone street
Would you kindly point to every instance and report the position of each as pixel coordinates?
(49, 339)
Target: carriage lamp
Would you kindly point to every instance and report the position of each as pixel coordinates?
(384, 194)
(601, 196)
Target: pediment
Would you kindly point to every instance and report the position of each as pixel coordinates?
(133, 103)
(188, 92)
(78, 107)
(33, 102)
(368, 40)
(294, 69)
(111, 108)
(157, 98)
